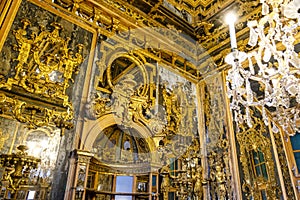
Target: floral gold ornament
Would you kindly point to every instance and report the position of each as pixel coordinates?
(45, 67)
(34, 115)
(258, 168)
(45, 64)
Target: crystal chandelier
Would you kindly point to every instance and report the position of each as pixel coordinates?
(268, 77)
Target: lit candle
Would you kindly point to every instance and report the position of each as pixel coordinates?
(230, 20)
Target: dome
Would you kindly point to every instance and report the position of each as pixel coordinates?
(120, 146)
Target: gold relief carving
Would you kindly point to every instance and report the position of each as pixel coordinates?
(45, 64)
(187, 180)
(35, 116)
(205, 27)
(219, 175)
(107, 25)
(121, 96)
(257, 162)
(172, 110)
(155, 8)
(99, 106)
(17, 167)
(44, 67)
(175, 121)
(76, 5)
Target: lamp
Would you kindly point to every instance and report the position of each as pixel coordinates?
(269, 75)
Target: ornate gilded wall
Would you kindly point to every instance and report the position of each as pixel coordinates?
(263, 164)
(92, 76)
(43, 67)
(217, 142)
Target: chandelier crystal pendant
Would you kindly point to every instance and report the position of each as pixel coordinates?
(268, 77)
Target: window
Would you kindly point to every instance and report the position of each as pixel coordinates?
(124, 184)
(174, 166)
(259, 164)
(31, 195)
(260, 171)
(295, 141)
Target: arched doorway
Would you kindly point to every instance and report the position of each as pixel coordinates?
(120, 166)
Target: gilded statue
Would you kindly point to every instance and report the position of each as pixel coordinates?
(71, 62)
(219, 178)
(198, 185)
(165, 184)
(45, 64)
(174, 113)
(24, 46)
(9, 171)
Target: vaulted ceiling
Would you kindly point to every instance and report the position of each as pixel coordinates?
(197, 18)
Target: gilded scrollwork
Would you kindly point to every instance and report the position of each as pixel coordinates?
(219, 175)
(257, 161)
(187, 178)
(41, 62)
(34, 115)
(45, 63)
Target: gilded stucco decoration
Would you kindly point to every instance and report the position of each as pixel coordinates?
(125, 89)
(41, 57)
(202, 24)
(218, 157)
(45, 64)
(41, 60)
(257, 161)
(33, 115)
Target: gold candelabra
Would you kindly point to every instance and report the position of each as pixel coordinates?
(17, 167)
